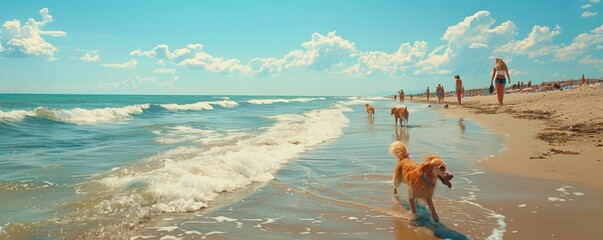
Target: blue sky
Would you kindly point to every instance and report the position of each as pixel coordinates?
(291, 47)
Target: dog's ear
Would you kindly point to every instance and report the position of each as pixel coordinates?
(428, 158)
(429, 163)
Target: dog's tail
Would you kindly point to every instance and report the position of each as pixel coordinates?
(398, 149)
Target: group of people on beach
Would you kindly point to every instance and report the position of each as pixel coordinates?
(441, 93)
(499, 81)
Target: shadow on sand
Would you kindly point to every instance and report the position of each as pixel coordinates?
(423, 219)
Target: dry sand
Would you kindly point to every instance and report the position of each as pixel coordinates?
(553, 139)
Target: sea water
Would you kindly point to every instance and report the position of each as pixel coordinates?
(101, 166)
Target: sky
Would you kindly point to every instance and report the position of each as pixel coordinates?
(297, 48)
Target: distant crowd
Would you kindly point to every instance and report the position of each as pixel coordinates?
(513, 88)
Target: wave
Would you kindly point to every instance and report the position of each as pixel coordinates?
(15, 115)
(76, 115)
(188, 178)
(282, 100)
(199, 105)
(180, 134)
(103, 115)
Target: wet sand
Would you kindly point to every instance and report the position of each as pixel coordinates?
(548, 182)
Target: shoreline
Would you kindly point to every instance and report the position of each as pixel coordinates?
(546, 182)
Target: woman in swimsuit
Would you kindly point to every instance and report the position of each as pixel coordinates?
(439, 93)
(499, 71)
(459, 88)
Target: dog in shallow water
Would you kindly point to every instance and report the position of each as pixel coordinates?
(400, 113)
(370, 110)
(421, 178)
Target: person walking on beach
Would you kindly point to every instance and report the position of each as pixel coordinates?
(401, 95)
(427, 93)
(439, 93)
(459, 88)
(499, 71)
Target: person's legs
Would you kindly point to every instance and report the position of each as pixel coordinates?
(500, 92)
(458, 97)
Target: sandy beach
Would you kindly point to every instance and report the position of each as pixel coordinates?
(553, 139)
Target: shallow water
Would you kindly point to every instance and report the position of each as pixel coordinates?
(256, 167)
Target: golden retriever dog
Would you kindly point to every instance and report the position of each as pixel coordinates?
(421, 178)
(370, 110)
(400, 113)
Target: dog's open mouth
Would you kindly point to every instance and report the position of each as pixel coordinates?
(445, 182)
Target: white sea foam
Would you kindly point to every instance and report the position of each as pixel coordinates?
(352, 102)
(199, 105)
(142, 237)
(90, 116)
(497, 233)
(191, 106)
(282, 100)
(190, 177)
(15, 115)
(76, 115)
(180, 134)
(170, 237)
(211, 233)
(225, 219)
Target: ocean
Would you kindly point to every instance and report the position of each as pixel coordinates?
(230, 167)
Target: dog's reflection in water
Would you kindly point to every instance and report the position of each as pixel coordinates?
(462, 125)
(402, 134)
(422, 219)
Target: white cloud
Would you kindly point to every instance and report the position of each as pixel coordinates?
(331, 52)
(210, 63)
(594, 62)
(595, 1)
(599, 47)
(537, 43)
(136, 81)
(265, 66)
(403, 58)
(164, 70)
(91, 56)
(169, 83)
(586, 6)
(444, 72)
(589, 14)
(191, 56)
(130, 64)
(435, 60)
(515, 72)
(476, 30)
(161, 51)
(320, 53)
(478, 45)
(580, 44)
(26, 40)
(325, 51)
